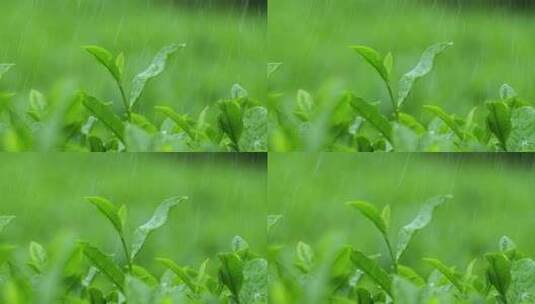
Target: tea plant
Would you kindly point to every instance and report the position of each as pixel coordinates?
(356, 124)
(348, 275)
(82, 273)
(87, 123)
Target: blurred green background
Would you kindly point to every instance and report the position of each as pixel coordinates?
(493, 45)
(46, 192)
(44, 38)
(493, 196)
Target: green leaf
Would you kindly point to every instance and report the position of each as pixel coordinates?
(4, 67)
(144, 275)
(404, 139)
(388, 62)
(255, 130)
(136, 139)
(305, 105)
(404, 291)
(411, 275)
(105, 264)
(304, 257)
(183, 121)
(38, 105)
(231, 120)
(239, 244)
(448, 119)
(104, 113)
(272, 67)
(371, 114)
(499, 272)
(231, 272)
(109, 210)
(522, 289)
(38, 255)
(507, 92)
(507, 245)
(424, 217)
(272, 221)
(499, 121)
(255, 282)
(155, 68)
(449, 273)
(424, 66)
(106, 59)
(373, 269)
(237, 92)
(370, 212)
(522, 136)
(158, 219)
(5, 220)
(374, 59)
(180, 272)
(137, 291)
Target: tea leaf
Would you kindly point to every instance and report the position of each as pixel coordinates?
(305, 257)
(374, 59)
(420, 70)
(106, 59)
(371, 213)
(4, 68)
(499, 272)
(231, 272)
(372, 268)
(158, 219)
(104, 113)
(180, 272)
(371, 114)
(448, 119)
(38, 255)
(5, 220)
(499, 121)
(449, 273)
(231, 120)
(424, 217)
(105, 264)
(109, 210)
(255, 282)
(155, 68)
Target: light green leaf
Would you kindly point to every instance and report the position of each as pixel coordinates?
(158, 219)
(420, 70)
(372, 115)
(231, 272)
(370, 212)
(183, 121)
(105, 264)
(38, 255)
(449, 273)
(272, 221)
(255, 130)
(499, 272)
(424, 217)
(237, 92)
(411, 275)
(373, 269)
(374, 59)
(272, 67)
(38, 105)
(255, 282)
(109, 210)
(144, 275)
(239, 244)
(136, 139)
(137, 291)
(155, 68)
(104, 113)
(304, 257)
(305, 105)
(522, 136)
(388, 62)
(506, 92)
(448, 119)
(404, 139)
(499, 121)
(4, 67)
(5, 220)
(522, 289)
(404, 291)
(180, 272)
(231, 120)
(106, 59)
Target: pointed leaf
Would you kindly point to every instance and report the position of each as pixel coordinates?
(104, 113)
(304, 257)
(499, 121)
(231, 120)
(109, 210)
(231, 272)
(450, 274)
(105, 264)
(5, 220)
(180, 272)
(38, 255)
(155, 68)
(106, 59)
(373, 269)
(499, 272)
(373, 58)
(4, 67)
(370, 212)
(448, 119)
(424, 217)
(158, 219)
(371, 114)
(420, 70)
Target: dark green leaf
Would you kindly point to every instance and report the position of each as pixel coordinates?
(499, 272)
(105, 264)
(499, 121)
(104, 113)
(231, 272)
(373, 269)
(371, 114)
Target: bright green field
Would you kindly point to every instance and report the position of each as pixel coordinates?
(44, 38)
(46, 192)
(492, 47)
(493, 196)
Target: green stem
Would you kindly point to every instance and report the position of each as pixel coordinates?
(126, 253)
(393, 101)
(125, 101)
(391, 252)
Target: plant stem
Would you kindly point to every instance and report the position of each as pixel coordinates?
(393, 101)
(391, 252)
(126, 253)
(125, 101)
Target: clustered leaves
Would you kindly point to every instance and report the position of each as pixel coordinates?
(89, 123)
(84, 273)
(355, 124)
(347, 275)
